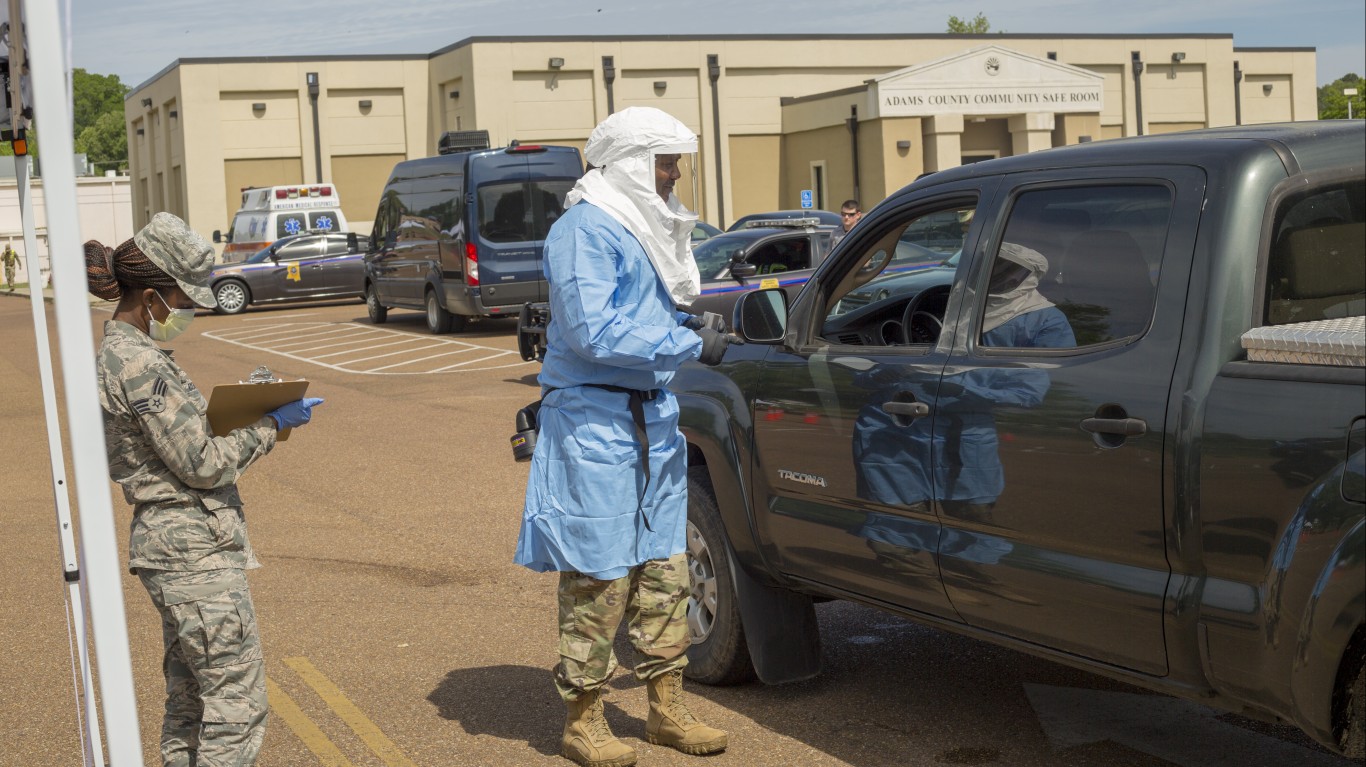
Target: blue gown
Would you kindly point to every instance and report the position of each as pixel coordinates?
(612, 323)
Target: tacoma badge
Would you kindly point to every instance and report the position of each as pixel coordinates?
(805, 479)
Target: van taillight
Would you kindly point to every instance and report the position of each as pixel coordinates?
(471, 264)
(281, 194)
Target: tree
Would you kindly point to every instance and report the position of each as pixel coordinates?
(1332, 102)
(94, 96)
(978, 26)
(105, 143)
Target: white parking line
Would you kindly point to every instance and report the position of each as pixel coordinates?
(292, 315)
(345, 339)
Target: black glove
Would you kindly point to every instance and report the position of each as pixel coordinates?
(714, 345)
(695, 322)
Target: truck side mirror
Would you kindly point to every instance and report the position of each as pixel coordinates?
(352, 242)
(217, 236)
(761, 317)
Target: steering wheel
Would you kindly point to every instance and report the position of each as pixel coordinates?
(920, 326)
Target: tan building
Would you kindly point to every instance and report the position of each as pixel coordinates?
(841, 116)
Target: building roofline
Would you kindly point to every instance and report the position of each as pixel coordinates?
(697, 38)
(1274, 49)
(785, 100)
(276, 60)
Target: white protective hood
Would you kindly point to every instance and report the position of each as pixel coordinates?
(622, 152)
(1022, 298)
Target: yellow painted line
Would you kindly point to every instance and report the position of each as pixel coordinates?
(349, 713)
(284, 707)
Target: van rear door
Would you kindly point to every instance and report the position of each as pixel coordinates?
(517, 195)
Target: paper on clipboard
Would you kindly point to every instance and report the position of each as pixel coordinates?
(232, 406)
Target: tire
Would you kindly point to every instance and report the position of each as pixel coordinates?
(378, 312)
(232, 296)
(438, 319)
(718, 654)
(1354, 737)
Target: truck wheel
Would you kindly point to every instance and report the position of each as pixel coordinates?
(718, 654)
(378, 312)
(1354, 738)
(438, 319)
(232, 297)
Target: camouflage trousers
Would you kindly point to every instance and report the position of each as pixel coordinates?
(653, 598)
(215, 672)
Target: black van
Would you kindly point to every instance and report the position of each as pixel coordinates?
(461, 235)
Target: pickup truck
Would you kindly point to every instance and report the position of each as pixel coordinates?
(1126, 433)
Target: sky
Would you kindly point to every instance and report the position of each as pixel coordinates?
(135, 39)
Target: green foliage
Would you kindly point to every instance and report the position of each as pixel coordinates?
(94, 96)
(105, 142)
(978, 26)
(1333, 104)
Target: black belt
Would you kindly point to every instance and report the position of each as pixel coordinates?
(636, 400)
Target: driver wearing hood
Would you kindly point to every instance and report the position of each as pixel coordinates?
(606, 500)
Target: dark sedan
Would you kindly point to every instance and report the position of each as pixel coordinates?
(746, 259)
(305, 267)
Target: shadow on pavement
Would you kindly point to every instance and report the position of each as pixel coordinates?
(514, 703)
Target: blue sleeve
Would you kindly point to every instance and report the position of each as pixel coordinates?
(681, 316)
(1052, 330)
(582, 269)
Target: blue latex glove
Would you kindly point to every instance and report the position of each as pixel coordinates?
(296, 413)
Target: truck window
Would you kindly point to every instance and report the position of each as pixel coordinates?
(1077, 266)
(521, 211)
(1315, 269)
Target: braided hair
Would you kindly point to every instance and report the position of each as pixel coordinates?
(112, 272)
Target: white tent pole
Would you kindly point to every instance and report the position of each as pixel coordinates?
(85, 423)
(71, 572)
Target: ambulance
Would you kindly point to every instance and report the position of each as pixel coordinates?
(271, 212)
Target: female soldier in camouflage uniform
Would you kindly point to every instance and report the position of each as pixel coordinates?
(189, 539)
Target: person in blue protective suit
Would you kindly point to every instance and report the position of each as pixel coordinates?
(606, 500)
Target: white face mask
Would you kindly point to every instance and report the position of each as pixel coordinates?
(176, 322)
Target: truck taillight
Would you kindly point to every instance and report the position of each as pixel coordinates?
(471, 264)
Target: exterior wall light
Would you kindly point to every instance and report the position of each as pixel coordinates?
(455, 94)
(1266, 89)
(1178, 57)
(142, 131)
(661, 85)
(555, 62)
(365, 104)
(174, 114)
(258, 106)
(903, 145)
(146, 103)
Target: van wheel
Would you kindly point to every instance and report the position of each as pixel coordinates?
(232, 297)
(438, 319)
(718, 654)
(378, 312)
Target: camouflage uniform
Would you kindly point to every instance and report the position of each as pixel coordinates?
(653, 598)
(10, 259)
(189, 546)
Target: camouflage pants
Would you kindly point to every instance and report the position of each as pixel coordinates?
(654, 600)
(215, 673)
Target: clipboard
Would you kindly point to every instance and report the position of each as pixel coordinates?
(232, 406)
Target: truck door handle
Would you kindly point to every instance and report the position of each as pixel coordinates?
(1119, 427)
(906, 409)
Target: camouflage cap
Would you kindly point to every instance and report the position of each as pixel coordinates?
(180, 252)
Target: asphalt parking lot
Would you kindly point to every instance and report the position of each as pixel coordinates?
(398, 633)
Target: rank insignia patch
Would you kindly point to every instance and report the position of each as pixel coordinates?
(153, 404)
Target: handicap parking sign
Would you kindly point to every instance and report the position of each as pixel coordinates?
(808, 200)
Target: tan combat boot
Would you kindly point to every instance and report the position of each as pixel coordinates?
(587, 739)
(672, 724)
